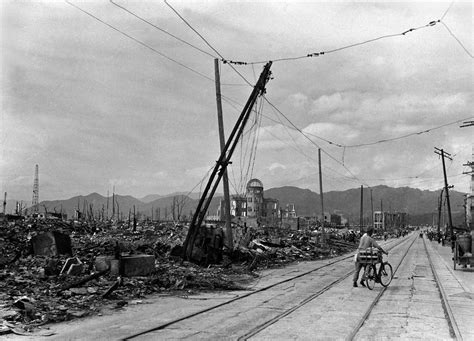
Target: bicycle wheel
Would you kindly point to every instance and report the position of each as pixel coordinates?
(385, 274)
(370, 276)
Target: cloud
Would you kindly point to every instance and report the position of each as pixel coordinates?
(198, 172)
(333, 131)
(298, 100)
(330, 103)
(160, 175)
(276, 165)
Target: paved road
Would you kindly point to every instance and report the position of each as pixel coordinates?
(306, 301)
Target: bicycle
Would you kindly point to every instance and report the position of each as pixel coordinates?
(383, 274)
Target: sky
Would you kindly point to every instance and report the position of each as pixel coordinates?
(103, 100)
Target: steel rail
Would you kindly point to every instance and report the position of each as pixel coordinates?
(167, 324)
(263, 326)
(453, 326)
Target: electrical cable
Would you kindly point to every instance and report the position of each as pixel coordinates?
(139, 41)
(257, 135)
(160, 29)
(296, 147)
(447, 10)
(314, 143)
(432, 23)
(456, 38)
(208, 44)
(405, 136)
(171, 35)
(340, 145)
(322, 53)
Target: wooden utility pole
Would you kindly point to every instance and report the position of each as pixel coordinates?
(383, 215)
(444, 154)
(221, 164)
(321, 195)
(225, 180)
(440, 203)
(372, 206)
(361, 222)
(113, 203)
(134, 219)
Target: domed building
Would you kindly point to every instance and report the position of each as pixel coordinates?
(253, 206)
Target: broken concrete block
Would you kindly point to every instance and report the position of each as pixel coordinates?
(103, 262)
(51, 268)
(51, 244)
(137, 265)
(114, 267)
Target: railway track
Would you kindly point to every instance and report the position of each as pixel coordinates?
(262, 291)
(454, 329)
(364, 318)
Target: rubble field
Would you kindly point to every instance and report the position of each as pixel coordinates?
(38, 287)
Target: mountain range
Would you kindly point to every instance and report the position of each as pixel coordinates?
(421, 205)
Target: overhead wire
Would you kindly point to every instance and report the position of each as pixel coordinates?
(148, 46)
(404, 136)
(161, 29)
(459, 41)
(322, 53)
(208, 44)
(257, 135)
(432, 23)
(314, 143)
(296, 146)
(139, 41)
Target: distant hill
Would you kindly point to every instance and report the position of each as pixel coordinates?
(420, 205)
(163, 206)
(150, 198)
(404, 199)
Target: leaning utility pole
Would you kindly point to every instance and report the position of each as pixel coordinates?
(440, 203)
(444, 154)
(225, 180)
(323, 232)
(222, 163)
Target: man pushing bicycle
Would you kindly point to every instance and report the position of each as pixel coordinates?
(366, 241)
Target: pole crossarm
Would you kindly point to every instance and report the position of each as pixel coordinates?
(222, 162)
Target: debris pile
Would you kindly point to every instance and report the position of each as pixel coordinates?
(53, 271)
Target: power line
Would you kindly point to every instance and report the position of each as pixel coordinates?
(447, 10)
(322, 53)
(340, 145)
(139, 42)
(296, 148)
(208, 44)
(456, 38)
(432, 23)
(160, 29)
(403, 136)
(312, 142)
